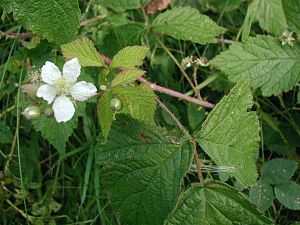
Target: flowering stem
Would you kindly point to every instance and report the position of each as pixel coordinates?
(167, 91)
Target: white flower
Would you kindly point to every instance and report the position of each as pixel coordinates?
(62, 89)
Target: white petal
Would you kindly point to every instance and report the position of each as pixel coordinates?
(82, 90)
(63, 109)
(50, 73)
(46, 92)
(71, 70)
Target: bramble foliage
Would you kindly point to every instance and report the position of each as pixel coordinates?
(195, 119)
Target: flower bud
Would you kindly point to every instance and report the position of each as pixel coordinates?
(103, 87)
(32, 112)
(29, 91)
(116, 104)
(48, 112)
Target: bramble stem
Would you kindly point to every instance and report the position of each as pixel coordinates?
(168, 91)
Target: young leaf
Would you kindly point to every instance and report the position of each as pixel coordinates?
(292, 12)
(215, 203)
(186, 23)
(288, 194)
(264, 61)
(126, 77)
(230, 134)
(49, 19)
(105, 113)
(269, 14)
(278, 171)
(129, 57)
(122, 5)
(57, 134)
(144, 189)
(139, 101)
(261, 194)
(84, 50)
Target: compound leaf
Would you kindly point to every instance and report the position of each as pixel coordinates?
(215, 203)
(264, 61)
(230, 134)
(144, 189)
(278, 171)
(288, 194)
(84, 50)
(261, 194)
(129, 57)
(55, 20)
(186, 23)
(126, 77)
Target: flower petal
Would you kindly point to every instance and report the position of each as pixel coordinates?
(82, 90)
(71, 70)
(46, 92)
(50, 73)
(63, 109)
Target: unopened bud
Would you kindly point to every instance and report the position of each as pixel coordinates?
(29, 91)
(48, 112)
(32, 112)
(116, 104)
(103, 87)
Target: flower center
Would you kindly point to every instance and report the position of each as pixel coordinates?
(62, 86)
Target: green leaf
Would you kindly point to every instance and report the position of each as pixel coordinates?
(230, 134)
(264, 61)
(261, 194)
(129, 57)
(196, 114)
(126, 77)
(215, 203)
(57, 134)
(122, 5)
(105, 113)
(268, 13)
(292, 12)
(139, 101)
(84, 50)
(277, 171)
(288, 194)
(6, 135)
(144, 189)
(55, 20)
(220, 5)
(186, 23)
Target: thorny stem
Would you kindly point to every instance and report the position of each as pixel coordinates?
(167, 91)
(186, 133)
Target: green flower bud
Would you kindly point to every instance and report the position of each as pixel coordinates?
(32, 112)
(116, 104)
(103, 87)
(48, 112)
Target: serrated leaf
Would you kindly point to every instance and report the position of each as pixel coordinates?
(277, 171)
(264, 61)
(129, 57)
(84, 50)
(215, 203)
(138, 101)
(126, 77)
(268, 13)
(55, 20)
(58, 134)
(122, 5)
(144, 189)
(292, 12)
(186, 23)
(105, 113)
(230, 134)
(261, 194)
(288, 194)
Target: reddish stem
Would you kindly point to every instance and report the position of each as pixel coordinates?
(167, 91)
